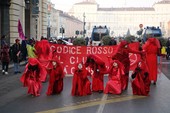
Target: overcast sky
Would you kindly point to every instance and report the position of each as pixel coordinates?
(65, 5)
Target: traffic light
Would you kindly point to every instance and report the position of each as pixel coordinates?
(77, 32)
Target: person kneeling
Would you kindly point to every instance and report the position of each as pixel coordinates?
(56, 74)
(114, 84)
(140, 80)
(80, 82)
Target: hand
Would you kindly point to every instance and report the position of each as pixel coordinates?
(18, 53)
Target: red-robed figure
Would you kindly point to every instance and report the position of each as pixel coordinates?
(122, 55)
(80, 82)
(114, 85)
(56, 75)
(33, 76)
(99, 69)
(140, 80)
(43, 52)
(151, 47)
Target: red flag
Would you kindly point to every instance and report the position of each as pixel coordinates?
(20, 30)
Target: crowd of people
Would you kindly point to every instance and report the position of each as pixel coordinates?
(43, 64)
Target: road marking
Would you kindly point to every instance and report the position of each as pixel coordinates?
(90, 104)
(101, 107)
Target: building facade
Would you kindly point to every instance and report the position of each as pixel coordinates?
(31, 13)
(4, 19)
(17, 11)
(119, 20)
(70, 24)
(60, 20)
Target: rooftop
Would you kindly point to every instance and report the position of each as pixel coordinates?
(127, 9)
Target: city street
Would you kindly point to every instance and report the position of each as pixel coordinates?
(14, 97)
(73, 31)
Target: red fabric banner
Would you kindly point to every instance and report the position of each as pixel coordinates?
(20, 31)
(69, 55)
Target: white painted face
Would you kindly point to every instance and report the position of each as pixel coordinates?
(115, 64)
(80, 66)
(139, 64)
(126, 46)
(54, 63)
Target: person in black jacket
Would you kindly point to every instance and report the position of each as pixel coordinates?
(24, 49)
(5, 58)
(16, 55)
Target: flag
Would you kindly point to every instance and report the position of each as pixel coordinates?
(20, 31)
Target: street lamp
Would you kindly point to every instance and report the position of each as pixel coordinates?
(27, 1)
(27, 4)
(62, 31)
(48, 27)
(84, 23)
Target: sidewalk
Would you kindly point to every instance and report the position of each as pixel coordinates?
(11, 64)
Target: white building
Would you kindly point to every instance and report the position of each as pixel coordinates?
(69, 23)
(119, 20)
(58, 19)
(52, 20)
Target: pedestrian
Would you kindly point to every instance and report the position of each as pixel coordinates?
(33, 76)
(56, 76)
(90, 43)
(140, 79)
(5, 58)
(24, 49)
(152, 49)
(159, 52)
(80, 82)
(31, 49)
(59, 41)
(113, 85)
(87, 40)
(113, 41)
(168, 48)
(3, 41)
(96, 64)
(16, 55)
